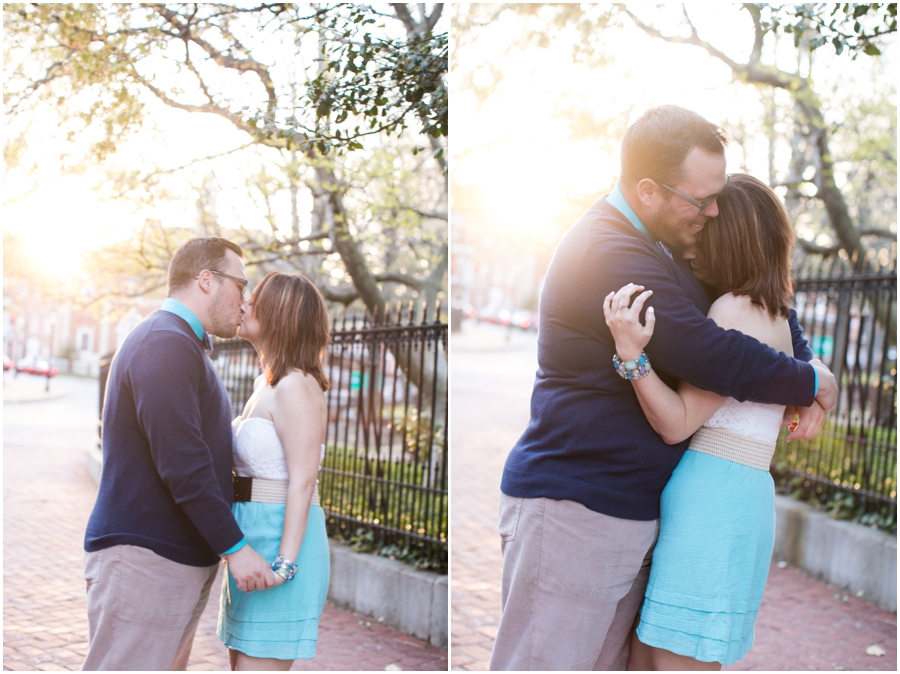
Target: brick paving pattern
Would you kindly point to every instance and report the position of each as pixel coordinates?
(803, 623)
(47, 498)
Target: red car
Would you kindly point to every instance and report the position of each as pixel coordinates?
(38, 367)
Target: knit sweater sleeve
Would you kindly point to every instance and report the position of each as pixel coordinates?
(167, 390)
(801, 345)
(686, 345)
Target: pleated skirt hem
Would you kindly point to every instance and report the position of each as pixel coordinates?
(702, 635)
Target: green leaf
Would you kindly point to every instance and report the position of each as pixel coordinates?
(324, 108)
(872, 50)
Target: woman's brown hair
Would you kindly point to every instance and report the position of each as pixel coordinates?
(295, 326)
(748, 244)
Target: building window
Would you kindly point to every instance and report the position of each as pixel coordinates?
(84, 339)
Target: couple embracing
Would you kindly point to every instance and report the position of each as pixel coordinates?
(169, 509)
(668, 359)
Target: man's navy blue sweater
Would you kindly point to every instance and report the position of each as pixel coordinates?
(588, 440)
(167, 449)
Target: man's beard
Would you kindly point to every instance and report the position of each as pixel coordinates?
(672, 237)
(223, 325)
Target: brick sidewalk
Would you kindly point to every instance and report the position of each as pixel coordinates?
(803, 624)
(47, 498)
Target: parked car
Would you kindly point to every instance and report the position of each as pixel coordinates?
(39, 367)
(525, 319)
(499, 317)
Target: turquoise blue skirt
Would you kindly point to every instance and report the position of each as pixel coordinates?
(283, 622)
(710, 564)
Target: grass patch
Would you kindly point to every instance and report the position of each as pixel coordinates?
(385, 506)
(848, 471)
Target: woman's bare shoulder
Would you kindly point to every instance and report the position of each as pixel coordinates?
(731, 308)
(298, 384)
(738, 312)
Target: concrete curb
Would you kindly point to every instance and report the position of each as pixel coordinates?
(16, 397)
(392, 592)
(847, 555)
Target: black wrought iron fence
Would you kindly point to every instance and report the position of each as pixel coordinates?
(848, 310)
(383, 483)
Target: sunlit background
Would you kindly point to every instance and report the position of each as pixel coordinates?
(103, 178)
(541, 96)
(59, 217)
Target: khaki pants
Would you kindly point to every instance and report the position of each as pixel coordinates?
(143, 609)
(573, 581)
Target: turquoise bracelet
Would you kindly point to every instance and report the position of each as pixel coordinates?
(632, 369)
(284, 567)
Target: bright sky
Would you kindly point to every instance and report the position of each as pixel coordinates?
(65, 216)
(518, 146)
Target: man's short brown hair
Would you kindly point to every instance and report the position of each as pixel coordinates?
(195, 256)
(656, 144)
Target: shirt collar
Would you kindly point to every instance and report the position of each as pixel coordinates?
(177, 308)
(617, 200)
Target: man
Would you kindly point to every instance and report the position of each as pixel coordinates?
(163, 513)
(579, 509)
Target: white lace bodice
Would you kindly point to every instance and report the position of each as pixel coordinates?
(751, 420)
(258, 451)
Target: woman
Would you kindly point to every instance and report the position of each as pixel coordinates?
(279, 444)
(717, 515)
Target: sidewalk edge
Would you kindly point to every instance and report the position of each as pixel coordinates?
(407, 599)
(847, 555)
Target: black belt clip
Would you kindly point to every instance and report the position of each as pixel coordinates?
(243, 488)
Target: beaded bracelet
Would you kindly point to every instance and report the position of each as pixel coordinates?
(632, 369)
(284, 567)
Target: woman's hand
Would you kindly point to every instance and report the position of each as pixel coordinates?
(624, 321)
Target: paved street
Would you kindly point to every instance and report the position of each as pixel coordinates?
(803, 624)
(47, 498)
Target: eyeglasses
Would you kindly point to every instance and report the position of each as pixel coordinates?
(242, 282)
(702, 205)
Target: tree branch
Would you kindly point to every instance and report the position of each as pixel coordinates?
(878, 231)
(248, 64)
(811, 247)
(752, 72)
(342, 296)
(405, 279)
(756, 53)
(293, 241)
(428, 214)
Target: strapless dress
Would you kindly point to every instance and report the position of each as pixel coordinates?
(716, 535)
(282, 622)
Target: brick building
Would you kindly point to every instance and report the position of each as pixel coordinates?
(71, 338)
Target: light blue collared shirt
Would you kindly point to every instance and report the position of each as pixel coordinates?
(177, 308)
(617, 200)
